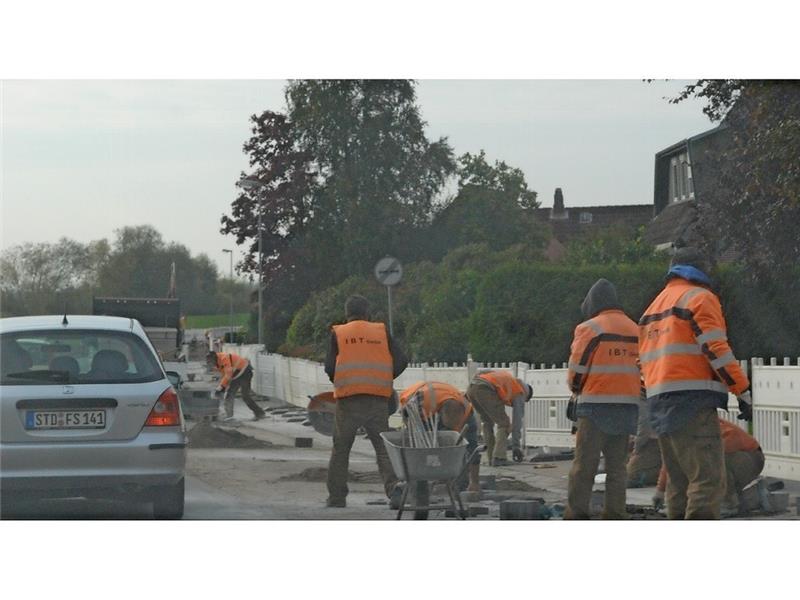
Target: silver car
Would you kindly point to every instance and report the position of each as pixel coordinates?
(86, 410)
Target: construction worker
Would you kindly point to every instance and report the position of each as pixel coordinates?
(744, 461)
(362, 362)
(455, 413)
(490, 392)
(604, 379)
(237, 374)
(688, 369)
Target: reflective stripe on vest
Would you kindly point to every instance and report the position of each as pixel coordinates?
(676, 353)
(363, 363)
(606, 371)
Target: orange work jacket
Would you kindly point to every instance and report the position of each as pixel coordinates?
(504, 383)
(434, 395)
(363, 363)
(736, 439)
(683, 343)
(602, 361)
(230, 365)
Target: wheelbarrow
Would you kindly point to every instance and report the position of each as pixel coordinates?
(444, 463)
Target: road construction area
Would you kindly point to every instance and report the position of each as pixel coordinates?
(276, 468)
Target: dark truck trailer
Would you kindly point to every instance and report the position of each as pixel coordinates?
(160, 318)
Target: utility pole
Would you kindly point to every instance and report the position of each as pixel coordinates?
(230, 319)
(253, 183)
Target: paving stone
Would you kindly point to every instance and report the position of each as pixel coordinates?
(303, 442)
(519, 510)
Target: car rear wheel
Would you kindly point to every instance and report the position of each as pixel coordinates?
(168, 501)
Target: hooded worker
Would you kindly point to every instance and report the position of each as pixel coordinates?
(490, 392)
(604, 379)
(688, 369)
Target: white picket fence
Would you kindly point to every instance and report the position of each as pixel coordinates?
(776, 398)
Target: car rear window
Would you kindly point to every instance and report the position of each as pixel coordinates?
(70, 357)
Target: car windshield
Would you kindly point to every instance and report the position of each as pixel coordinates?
(75, 357)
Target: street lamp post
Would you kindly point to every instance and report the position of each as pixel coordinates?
(230, 321)
(253, 183)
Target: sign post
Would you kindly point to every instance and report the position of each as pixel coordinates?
(389, 272)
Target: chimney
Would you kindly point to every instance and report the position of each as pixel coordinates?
(558, 211)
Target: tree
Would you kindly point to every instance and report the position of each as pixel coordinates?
(510, 181)
(348, 176)
(493, 206)
(47, 278)
(755, 206)
(140, 263)
(612, 247)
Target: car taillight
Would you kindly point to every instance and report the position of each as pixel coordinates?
(166, 410)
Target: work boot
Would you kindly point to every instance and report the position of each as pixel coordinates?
(335, 503)
(500, 462)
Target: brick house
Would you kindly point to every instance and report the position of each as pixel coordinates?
(567, 224)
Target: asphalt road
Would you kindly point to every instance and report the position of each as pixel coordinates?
(202, 502)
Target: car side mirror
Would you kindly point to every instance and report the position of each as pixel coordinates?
(175, 379)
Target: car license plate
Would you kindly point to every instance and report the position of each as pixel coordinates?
(65, 419)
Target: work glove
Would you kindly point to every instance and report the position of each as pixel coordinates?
(517, 455)
(658, 500)
(745, 406)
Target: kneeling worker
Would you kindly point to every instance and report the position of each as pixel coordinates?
(490, 392)
(604, 379)
(744, 461)
(454, 411)
(237, 373)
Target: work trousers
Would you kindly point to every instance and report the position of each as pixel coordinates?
(493, 413)
(590, 442)
(352, 412)
(741, 468)
(644, 464)
(242, 383)
(695, 464)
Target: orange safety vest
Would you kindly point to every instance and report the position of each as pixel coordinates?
(683, 343)
(230, 364)
(364, 363)
(504, 383)
(602, 361)
(434, 395)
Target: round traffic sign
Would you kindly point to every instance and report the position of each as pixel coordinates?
(388, 271)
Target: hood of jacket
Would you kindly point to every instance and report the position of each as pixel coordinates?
(602, 296)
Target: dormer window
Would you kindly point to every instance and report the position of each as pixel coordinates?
(681, 186)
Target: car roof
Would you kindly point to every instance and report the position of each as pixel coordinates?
(41, 322)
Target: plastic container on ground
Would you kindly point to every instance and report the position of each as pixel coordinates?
(198, 402)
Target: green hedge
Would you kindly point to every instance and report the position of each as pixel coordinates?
(503, 307)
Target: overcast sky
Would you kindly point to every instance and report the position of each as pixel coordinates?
(83, 158)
